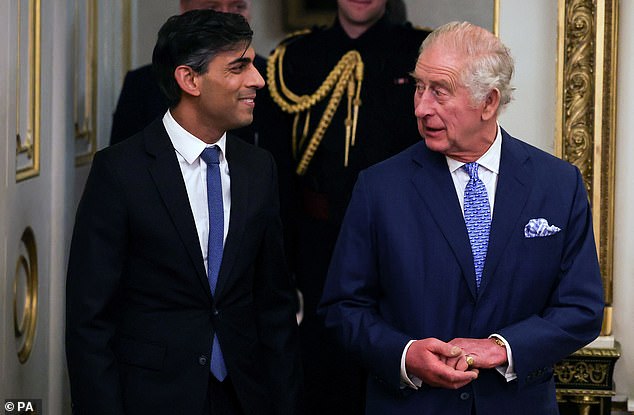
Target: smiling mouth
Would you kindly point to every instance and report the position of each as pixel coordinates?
(248, 100)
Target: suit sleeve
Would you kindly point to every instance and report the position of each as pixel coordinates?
(350, 302)
(574, 312)
(94, 272)
(275, 300)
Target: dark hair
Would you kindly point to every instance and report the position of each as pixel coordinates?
(193, 39)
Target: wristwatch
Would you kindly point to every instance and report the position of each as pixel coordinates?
(498, 341)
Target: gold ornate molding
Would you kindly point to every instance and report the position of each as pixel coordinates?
(27, 149)
(586, 114)
(496, 18)
(584, 378)
(126, 38)
(25, 306)
(585, 373)
(85, 96)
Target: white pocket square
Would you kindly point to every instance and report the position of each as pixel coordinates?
(539, 227)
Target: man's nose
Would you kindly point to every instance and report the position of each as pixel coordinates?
(255, 79)
(423, 105)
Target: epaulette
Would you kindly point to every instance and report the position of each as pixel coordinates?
(289, 38)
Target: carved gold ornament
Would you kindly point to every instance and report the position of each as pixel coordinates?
(586, 115)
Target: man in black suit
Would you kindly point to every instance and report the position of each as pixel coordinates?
(141, 100)
(153, 309)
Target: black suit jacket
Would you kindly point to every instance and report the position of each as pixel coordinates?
(140, 316)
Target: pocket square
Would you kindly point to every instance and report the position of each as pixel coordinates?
(539, 227)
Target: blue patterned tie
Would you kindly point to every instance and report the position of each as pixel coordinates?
(215, 244)
(477, 216)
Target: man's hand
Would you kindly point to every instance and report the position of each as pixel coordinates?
(486, 354)
(426, 359)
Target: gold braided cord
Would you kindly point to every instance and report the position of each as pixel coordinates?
(347, 74)
(325, 121)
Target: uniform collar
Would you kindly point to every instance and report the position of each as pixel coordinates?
(371, 37)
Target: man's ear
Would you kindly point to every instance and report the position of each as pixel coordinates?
(491, 105)
(187, 80)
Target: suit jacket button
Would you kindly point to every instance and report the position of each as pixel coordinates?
(202, 360)
(464, 396)
(215, 312)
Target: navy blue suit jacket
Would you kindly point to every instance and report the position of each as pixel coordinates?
(403, 269)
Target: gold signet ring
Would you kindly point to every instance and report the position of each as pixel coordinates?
(469, 360)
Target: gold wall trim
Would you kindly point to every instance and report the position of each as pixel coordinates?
(586, 113)
(126, 38)
(28, 136)
(496, 18)
(85, 95)
(24, 324)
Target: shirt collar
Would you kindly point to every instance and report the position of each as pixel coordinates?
(489, 160)
(187, 144)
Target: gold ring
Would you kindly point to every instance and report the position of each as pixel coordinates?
(469, 360)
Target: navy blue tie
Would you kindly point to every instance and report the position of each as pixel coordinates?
(215, 244)
(477, 216)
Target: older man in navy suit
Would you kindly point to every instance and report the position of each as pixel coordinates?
(466, 266)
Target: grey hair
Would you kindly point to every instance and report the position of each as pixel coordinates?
(489, 64)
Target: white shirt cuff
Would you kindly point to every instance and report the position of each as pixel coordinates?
(508, 370)
(407, 381)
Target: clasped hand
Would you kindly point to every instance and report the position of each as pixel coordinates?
(445, 365)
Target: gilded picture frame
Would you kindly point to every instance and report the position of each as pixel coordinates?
(586, 115)
(28, 89)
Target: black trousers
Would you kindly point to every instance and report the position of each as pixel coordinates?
(222, 398)
(334, 384)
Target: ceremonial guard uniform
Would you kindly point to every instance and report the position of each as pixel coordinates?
(343, 105)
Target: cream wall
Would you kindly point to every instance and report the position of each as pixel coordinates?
(623, 218)
(531, 115)
(433, 13)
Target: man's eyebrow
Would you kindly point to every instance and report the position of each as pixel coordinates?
(441, 83)
(240, 60)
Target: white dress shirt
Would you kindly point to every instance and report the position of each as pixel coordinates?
(194, 169)
(487, 172)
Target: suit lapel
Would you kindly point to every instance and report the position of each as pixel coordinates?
(434, 185)
(169, 182)
(239, 202)
(513, 189)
